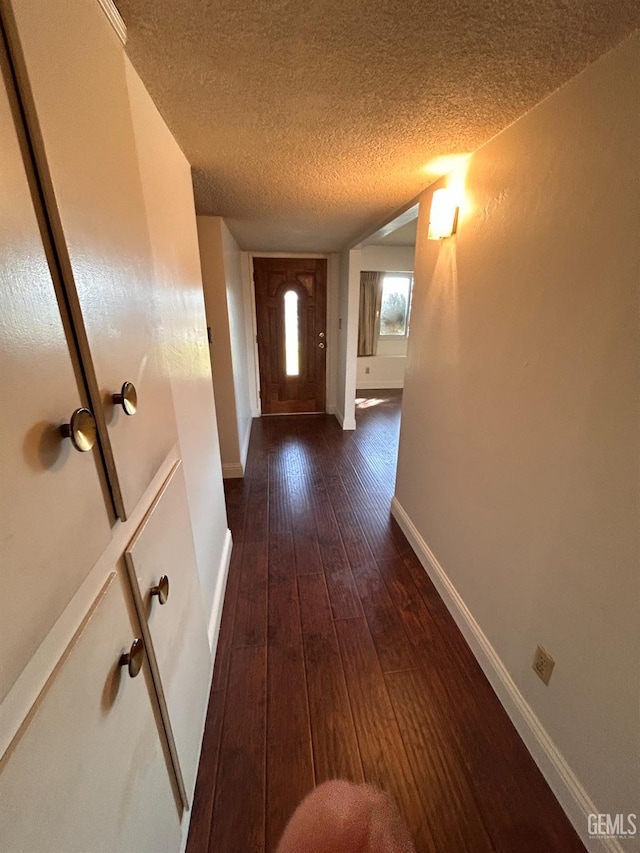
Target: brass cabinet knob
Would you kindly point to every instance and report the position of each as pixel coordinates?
(134, 658)
(162, 590)
(321, 345)
(81, 429)
(127, 398)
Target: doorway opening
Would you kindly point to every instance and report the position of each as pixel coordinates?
(291, 325)
(384, 312)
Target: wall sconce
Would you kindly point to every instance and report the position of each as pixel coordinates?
(443, 218)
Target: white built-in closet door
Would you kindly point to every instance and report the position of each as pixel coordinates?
(88, 772)
(164, 575)
(53, 514)
(71, 68)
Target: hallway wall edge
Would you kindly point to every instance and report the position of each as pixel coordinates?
(567, 788)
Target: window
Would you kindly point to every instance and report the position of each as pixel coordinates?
(394, 306)
(291, 343)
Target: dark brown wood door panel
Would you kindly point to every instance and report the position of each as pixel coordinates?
(294, 382)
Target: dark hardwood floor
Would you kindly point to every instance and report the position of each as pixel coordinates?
(338, 659)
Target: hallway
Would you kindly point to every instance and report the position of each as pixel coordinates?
(337, 658)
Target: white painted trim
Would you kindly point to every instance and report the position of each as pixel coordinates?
(351, 338)
(218, 594)
(188, 812)
(186, 823)
(561, 779)
(388, 383)
(114, 18)
(333, 300)
(232, 470)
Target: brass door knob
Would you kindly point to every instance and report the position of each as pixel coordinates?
(127, 398)
(134, 658)
(321, 345)
(162, 590)
(81, 429)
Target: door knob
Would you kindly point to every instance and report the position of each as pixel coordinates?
(321, 345)
(134, 658)
(81, 429)
(127, 398)
(161, 590)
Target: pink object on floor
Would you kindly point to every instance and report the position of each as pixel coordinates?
(340, 817)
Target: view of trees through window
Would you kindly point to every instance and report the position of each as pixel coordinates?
(394, 308)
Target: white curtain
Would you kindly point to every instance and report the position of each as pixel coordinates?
(369, 315)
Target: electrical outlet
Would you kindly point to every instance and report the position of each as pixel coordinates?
(543, 664)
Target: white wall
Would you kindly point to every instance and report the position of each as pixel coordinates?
(386, 368)
(519, 463)
(379, 371)
(251, 333)
(223, 293)
(237, 338)
(388, 258)
(166, 174)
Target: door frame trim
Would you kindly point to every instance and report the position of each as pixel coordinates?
(251, 326)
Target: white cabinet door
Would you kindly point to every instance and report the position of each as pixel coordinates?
(177, 633)
(71, 69)
(87, 770)
(53, 515)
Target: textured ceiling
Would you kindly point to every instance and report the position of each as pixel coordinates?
(310, 123)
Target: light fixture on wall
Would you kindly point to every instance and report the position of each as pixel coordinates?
(443, 218)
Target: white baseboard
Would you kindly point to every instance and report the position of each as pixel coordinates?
(212, 633)
(561, 779)
(369, 384)
(244, 448)
(218, 594)
(345, 423)
(232, 470)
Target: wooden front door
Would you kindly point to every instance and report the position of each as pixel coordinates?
(291, 295)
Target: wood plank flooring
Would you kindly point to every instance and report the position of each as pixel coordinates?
(338, 659)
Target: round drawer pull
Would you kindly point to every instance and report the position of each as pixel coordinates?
(162, 590)
(127, 398)
(81, 429)
(134, 658)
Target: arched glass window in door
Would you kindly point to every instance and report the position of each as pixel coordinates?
(291, 334)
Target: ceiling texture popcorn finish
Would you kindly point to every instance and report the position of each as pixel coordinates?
(310, 123)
